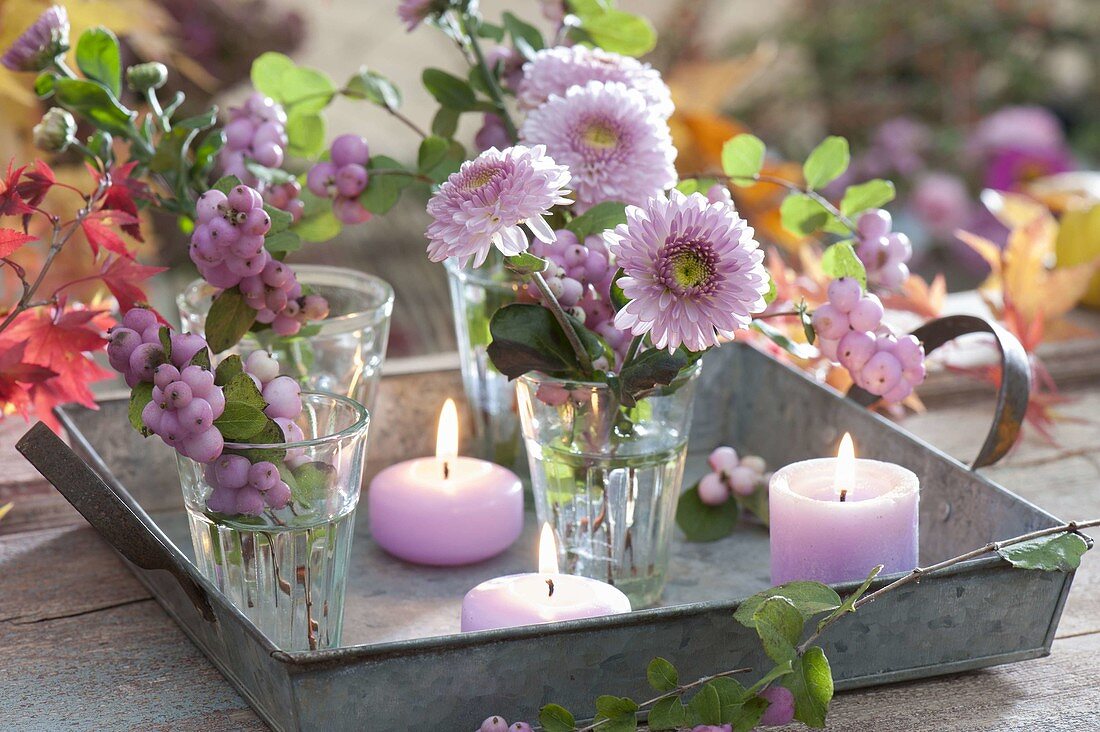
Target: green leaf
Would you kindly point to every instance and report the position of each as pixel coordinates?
(525, 263)
(748, 714)
(226, 183)
(770, 295)
(241, 389)
(164, 335)
(619, 712)
(280, 220)
(527, 337)
(687, 186)
(840, 260)
(826, 162)
(305, 133)
(618, 31)
(742, 158)
(206, 151)
(95, 103)
(701, 522)
(171, 149)
(240, 422)
(809, 598)
(227, 369)
(1054, 553)
(312, 482)
(445, 122)
(199, 121)
(98, 56)
(449, 90)
(655, 367)
(491, 31)
(730, 697)
(433, 150)
(282, 242)
(667, 714)
(618, 297)
(268, 70)
(779, 338)
(44, 84)
(662, 675)
(849, 604)
(872, 194)
(304, 91)
(373, 87)
(807, 320)
(319, 227)
(201, 359)
(229, 319)
(525, 37)
(705, 707)
(779, 671)
(602, 216)
(141, 395)
(811, 682)
(555, 718)
(779, 625)
(801, 214)
(383, 191)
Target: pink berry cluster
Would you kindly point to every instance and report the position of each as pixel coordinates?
(580, 275)
(257, 131)
(730, 475)
(850, 330)
(227, 246)
(497, 724)
(885, 254)
(286, 196)
(343, 178)
(185, 400)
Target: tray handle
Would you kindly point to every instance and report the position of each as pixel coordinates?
(1012, 394)
(105, 511)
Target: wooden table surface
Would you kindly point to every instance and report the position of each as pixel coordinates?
(84, 646)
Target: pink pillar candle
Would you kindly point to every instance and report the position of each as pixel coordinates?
(817, 536)
(525, 599)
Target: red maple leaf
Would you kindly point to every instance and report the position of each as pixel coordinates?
(11, 203)
(122, 275)
(61, 341)
(96, 229)
(11, 239)
(16, 376)
(37, 183)
(121, 193)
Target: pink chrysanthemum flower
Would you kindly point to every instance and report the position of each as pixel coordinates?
(45, 40)
(614, 149)
(693, 272)
(413, 12)
(484, 204)
(552, 71)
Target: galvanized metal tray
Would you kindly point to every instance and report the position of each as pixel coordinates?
(405, 665)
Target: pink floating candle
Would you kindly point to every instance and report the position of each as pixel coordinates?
(546, 597)
(834, 519)
(447, 510)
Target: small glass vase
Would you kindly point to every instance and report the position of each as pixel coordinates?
(607, 477)
(475, 295)
(342, 354)
(286, 569)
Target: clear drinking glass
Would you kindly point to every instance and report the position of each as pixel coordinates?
(607, 477)
(286, 569)
(475, 295)
(343, 354)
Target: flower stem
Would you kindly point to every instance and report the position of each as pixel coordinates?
(490, 79)
(790, 186)
(571, 335)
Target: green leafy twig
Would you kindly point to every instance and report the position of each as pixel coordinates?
(571, 335)
(491, 84)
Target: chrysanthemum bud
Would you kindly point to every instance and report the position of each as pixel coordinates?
(143, 77)
(55, 132)
(41, 44)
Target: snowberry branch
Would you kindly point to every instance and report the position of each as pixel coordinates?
(563, 320)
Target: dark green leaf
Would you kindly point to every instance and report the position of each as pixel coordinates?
(201, 359)
(811, 682)
(667, 714)
(840, 260)
(171, 149)
(555, 718)
(241, 389)
(226, 183)
(705, 707)
(373, 87)
(305, 132)
(618, 297)
(432, 152)
(701, 522)
(280, 220)
(312, 481)
(449, 90)
(525, 263)
(748, 714)
(165, 337)
(602, 216)
(809, 598)
(730, 697)
(141, 395)
(95, 103)
(229, 319)
(801, 214)
(227, 369)
(98, 57)
(283, 242)
(779, 671)
(806, 318)
(206, 151)
(199, 121)
(662, 675)
(383, 191)
(527, 337)
(849, 604)
(779, 338)
(240, 422)
(439, 161)
(271, 434)
(1057, 552)
(742, 158)
(620, 713)
(826, 162)
(526, 38)
(872, 194)
(493, 32)
(655, 367)
(779, 625)
(445, 122)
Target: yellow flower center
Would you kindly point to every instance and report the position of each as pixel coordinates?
(600, 136)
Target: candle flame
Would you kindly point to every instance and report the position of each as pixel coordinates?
(446, 437)
(548, 551)
(845, 479)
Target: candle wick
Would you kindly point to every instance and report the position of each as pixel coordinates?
(550, 584)
(843, 494)
(446, 470)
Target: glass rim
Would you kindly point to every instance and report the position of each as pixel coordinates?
(538, 377)
(361, 423)
(369, 316)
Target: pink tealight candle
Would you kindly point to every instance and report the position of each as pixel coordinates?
(546, 597)
(834, 519)
(447, 510)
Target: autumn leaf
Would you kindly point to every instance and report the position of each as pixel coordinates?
(918, 296)
(121, 195)
(37, 183)
(16, 377)
(96, 229)
(12, 239)
(11, 203)
(122, 275)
